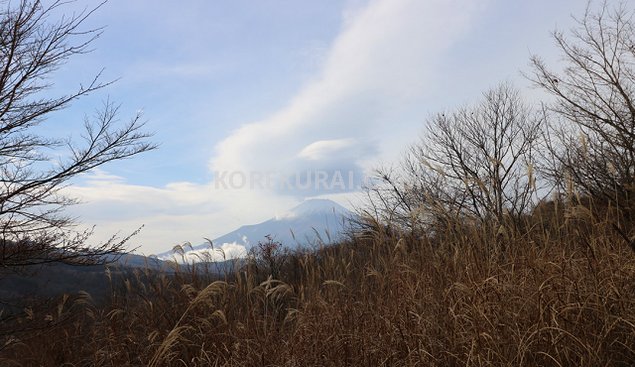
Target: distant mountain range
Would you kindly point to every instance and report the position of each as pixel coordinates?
(313, 222)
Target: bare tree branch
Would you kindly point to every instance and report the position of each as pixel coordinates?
(34, 228)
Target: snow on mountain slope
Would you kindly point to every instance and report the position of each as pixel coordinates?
(315, 221)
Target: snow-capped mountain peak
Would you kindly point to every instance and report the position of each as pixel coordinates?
(317, 206)
(314, 221)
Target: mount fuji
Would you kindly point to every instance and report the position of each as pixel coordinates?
(314, 221)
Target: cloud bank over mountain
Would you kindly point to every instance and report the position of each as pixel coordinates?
(393, 63)
(381, 65)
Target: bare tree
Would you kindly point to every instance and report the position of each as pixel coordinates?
(476, 162)
(268, 257)
(591, 137)
(33, 226)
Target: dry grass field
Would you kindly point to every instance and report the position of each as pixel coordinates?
(560, 292)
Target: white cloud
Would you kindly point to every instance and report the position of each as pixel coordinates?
(171, 215)
(375, 74)
(222, 252)
(378, 66)
(324, 149)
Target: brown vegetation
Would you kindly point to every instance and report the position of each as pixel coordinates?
(557, 296)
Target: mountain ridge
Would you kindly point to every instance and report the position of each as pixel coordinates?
(314, 221)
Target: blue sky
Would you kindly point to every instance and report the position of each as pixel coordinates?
(285, 87)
